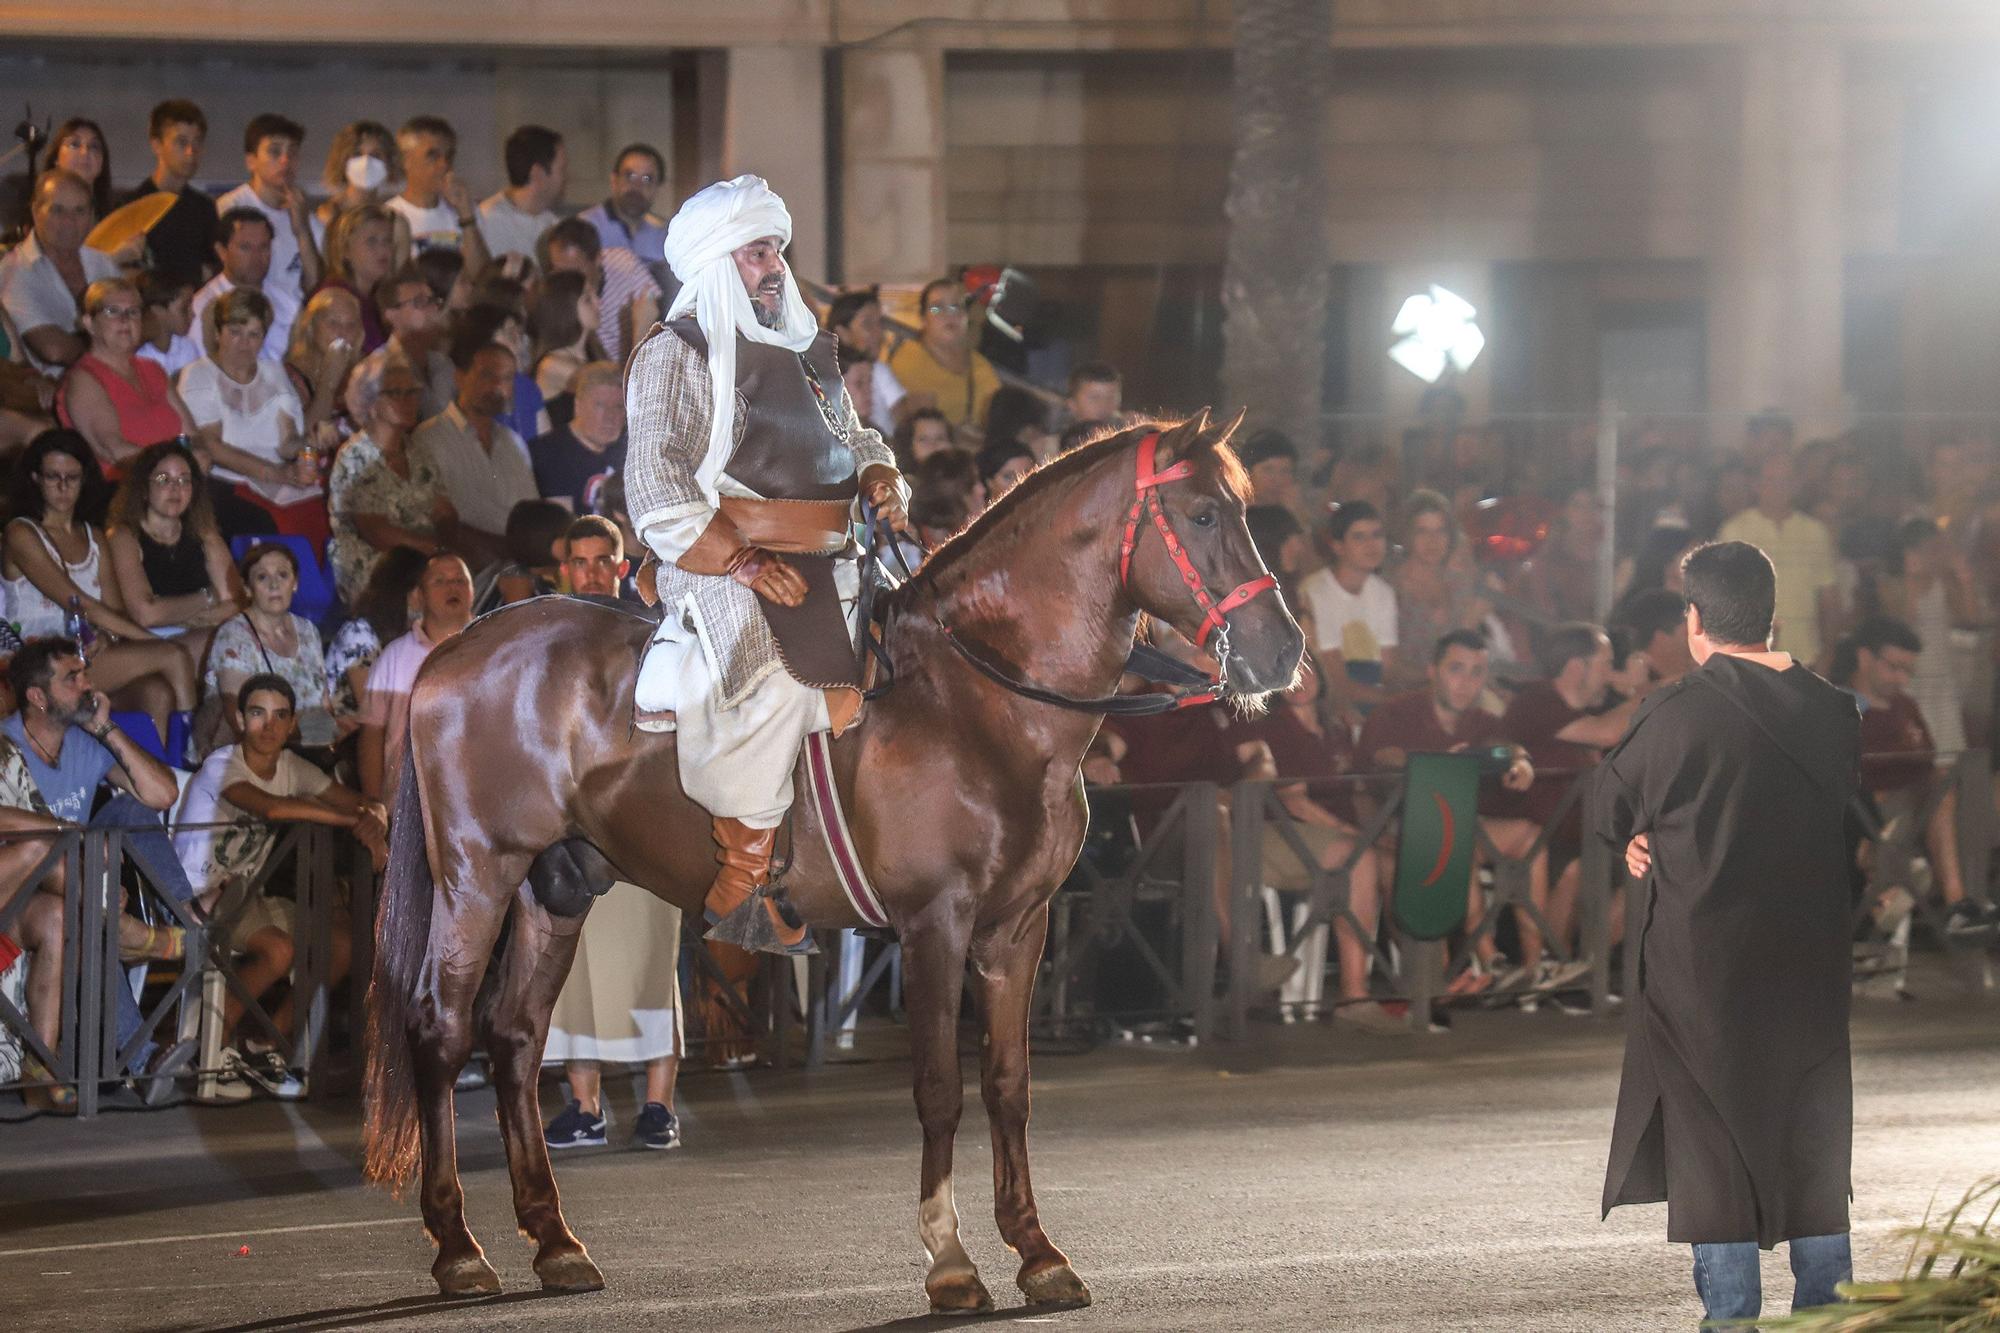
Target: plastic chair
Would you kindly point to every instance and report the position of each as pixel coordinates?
(315, 599)
(139, 726)
(180, 735)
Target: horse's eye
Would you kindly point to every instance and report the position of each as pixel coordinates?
(1204, 518)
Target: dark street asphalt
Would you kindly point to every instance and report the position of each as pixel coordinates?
(1315, 1180)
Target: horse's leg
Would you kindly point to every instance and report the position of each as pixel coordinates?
(514, 1029)
(933, 981)
(463, 927)
(1005, 958)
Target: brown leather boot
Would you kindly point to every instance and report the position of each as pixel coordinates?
(745, 857)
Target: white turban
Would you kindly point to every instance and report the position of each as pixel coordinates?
(711, 224)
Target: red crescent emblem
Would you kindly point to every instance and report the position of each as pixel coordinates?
(1450, 839)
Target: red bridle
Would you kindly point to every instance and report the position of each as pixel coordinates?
(1147, 483)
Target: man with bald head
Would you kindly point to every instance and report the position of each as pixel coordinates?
(42, 280)
(751, 521)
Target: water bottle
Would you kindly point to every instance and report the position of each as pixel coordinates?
(78, 627)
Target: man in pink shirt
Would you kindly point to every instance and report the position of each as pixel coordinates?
(444, 598)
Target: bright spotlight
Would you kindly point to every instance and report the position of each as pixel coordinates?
(1436, 329)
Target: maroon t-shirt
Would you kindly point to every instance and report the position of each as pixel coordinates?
(1299, 754)
(1532, 721)
(1409, 722)
(1895, 729)
(1186, 745)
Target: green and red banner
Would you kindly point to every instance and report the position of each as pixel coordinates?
(1440, 831)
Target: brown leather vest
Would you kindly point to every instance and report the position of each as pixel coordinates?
(789, 450)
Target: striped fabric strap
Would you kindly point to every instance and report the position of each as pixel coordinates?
(825, 797)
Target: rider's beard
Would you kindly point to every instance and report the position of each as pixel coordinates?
(769, 317)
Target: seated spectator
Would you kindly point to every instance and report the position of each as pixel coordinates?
(360, 254)
(1558, 721)
(858, 378)
(563, 329)
(181, 244)
(271, 146)
(537, 163)
(487, 322)
(1272, 461)
(629, 298)
(572, 462)
(444, 607)
(1016, 416)
(1094, 395)
(625, 220)
(1561, 581)
(594, 563)
(326, 344)
(1655, 627)
(385, 491)
(360, 163)
(1875, 663)
(54, 568)
(482, 465)
(78, 147)
(167, 313)
(252, 422)
(1801, 550)
(1445, 717)
(445, 271)
(1352, 611)
(119, 401)
(855, 319)
(381, 614)
(416, 332)
(1655, 565)
(435, 202)
(945, 495)
(268, 639)
(1929, 586)
(168, 559)
(62, 746)
(250, 787)
(940, 368)
(532, 560)
(1281, 544)
(243, 242)
(1435, 594)
(1001, 467)
(1309, 753)
(27, 401)
(1079, 433)
(38, 930)
(923, 432)
(41, 277)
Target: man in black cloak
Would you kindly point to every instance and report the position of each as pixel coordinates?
(1736, 1105)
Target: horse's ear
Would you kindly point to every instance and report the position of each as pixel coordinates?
(1235, 424)
(1187, 435)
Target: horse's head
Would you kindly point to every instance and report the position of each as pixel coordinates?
(1214, 588)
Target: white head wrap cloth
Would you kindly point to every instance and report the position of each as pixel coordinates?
(711, 224)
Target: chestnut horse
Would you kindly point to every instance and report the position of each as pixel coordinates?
(964, 799)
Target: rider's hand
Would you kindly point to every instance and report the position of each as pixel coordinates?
(771, 578)
(886, 496)
(1639, 856)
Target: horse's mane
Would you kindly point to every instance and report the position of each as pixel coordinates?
(1208, 452)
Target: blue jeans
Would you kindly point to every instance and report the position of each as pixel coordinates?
(147, 843)
(1726, 1275)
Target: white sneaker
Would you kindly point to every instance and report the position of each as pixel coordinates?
(230, 1084)
(267, 1070)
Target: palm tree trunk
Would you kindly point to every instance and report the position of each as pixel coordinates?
(1274, 277)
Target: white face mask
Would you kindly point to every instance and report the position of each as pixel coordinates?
(366, 172)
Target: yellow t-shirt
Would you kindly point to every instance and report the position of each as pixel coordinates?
(961, 397)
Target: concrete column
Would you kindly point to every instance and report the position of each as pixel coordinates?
(1775, 305)
(774, 126)
(892, 146)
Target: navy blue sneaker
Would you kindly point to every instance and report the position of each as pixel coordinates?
(657, 1128)
(575, 1128)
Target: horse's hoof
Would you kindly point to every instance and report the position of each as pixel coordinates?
(958, 1293)
(569, 1270)
(1058, 1285)
(470, 1276)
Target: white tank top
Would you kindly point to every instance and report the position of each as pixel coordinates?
(34, 613)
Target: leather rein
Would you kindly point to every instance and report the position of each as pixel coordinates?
(1189, 687)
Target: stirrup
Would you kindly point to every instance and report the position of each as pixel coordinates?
(749, 927)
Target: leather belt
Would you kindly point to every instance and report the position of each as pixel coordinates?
(790, 527)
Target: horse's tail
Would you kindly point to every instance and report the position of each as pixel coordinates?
(402, 936)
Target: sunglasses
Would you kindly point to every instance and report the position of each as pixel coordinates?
(955, 308)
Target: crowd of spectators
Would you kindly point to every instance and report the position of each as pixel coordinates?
(270, 448)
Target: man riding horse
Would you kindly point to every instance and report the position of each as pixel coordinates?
(745, 465)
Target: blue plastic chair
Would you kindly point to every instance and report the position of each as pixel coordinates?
(315, 600)
(139, 726)
(180, 734)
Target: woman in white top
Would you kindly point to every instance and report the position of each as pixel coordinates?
(268, 638)
(50, 555)
(252, 420)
